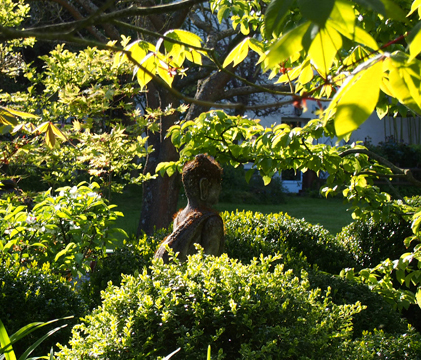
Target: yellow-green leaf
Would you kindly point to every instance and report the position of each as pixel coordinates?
(405, 81)
(50, 138)
(57, 132)
(357, 34)
(287, 45)
(324, 48)
(414, 40)
(358, 102)
(418, 297)
(415, 5)
(147, 69)
(343, 16)
(43, 127)
(238, 54)
(306, 74)
(166, 73)
(138, 50)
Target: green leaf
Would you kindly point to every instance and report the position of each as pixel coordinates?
(359, 100)
(393, 11)
(39, 341)
(324, 48)
(418, 297)
(376, 5)
(238, 54)
(317, 11)
(148, 64)
(287, 45)
(6, 344)
(403, 85)
(249, 174)
(266, 179)
(415, 5)
(414, 41)
(275, 15)
(223, 13)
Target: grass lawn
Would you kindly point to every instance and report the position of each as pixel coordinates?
(331, 213)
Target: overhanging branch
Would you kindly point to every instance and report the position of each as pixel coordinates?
(397, 171)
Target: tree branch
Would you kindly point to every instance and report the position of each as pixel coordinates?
(101, 18)
(398, 172)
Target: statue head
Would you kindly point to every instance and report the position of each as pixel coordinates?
(202, 179)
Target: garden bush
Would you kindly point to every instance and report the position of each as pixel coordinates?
(68, 230)
(378, 345)
(250, 234)
(37, 295)
(370, 242)
(378, 313)
(242, 311)
(131, 259)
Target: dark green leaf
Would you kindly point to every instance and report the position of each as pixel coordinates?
(316, 11)
(275, 16)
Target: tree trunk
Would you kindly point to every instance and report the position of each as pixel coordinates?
(160, 196)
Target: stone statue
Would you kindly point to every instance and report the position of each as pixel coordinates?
(197, 223)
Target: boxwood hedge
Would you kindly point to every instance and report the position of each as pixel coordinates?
(37, 295)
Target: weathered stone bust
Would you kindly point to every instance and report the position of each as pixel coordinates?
(197, 223)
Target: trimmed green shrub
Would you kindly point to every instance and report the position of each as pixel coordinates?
(250, 234)
(378, 314)
(132, 258)
(37, 295)
(379, 345)
(242, 311)
(371, 242)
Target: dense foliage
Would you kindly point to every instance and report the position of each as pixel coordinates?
(237, 189)
(240, 310)
(68, 230)
(37, 295)
(250, 234)
(131, 258)
(371, 242)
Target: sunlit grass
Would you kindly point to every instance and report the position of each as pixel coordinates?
(331, 213)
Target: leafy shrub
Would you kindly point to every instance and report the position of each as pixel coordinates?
(68, 230)
(130, 259)
(378, 314)
(36, 295)
(250, 234)
(240, 310)
(371, 242)
(236, 189)
(379, 345)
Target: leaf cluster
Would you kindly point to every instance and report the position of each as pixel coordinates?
(68, 230)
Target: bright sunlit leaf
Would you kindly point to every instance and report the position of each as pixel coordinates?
(359, 100)
(287, 45)
(238, 54)
(414, 7)
(414, 40)
(148, 64)
(323, 49)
